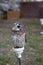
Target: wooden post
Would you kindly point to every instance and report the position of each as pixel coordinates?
(14, 14)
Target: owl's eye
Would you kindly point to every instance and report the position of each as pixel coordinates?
(18, 26)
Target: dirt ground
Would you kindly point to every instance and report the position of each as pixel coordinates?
(33, 53)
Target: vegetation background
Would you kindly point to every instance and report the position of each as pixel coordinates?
(33, 53)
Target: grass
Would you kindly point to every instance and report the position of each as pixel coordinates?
(33, 54)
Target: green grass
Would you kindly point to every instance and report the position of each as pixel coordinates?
(33, 54)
